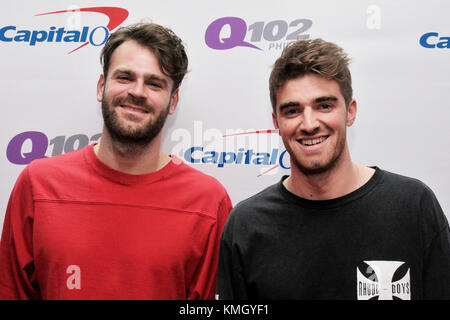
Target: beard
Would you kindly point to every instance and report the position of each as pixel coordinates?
(133, 139)
(321, 166)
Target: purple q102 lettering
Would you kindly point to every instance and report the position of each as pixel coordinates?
(237, 35)
(39, 145)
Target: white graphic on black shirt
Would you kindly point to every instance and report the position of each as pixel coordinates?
(380, 284)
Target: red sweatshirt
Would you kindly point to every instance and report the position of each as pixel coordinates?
(77, 229)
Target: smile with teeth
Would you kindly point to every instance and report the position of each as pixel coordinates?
(137, 109)
(311, 142)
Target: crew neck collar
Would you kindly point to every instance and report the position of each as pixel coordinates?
(329, 203)
(122, 177)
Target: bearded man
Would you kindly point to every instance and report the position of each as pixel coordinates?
(118, 219)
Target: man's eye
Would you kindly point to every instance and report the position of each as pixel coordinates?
(155, 84)
(325, 106)
(291, 111)
(124, 78)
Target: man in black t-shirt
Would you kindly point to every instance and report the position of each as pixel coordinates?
(333, 229)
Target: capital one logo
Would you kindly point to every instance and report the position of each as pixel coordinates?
(236, 147)
(230, 32)
(85, 35)
(376, 281)
(433, 40)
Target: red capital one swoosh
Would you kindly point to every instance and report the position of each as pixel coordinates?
(257, 132)
(116, 17)
(253, 132)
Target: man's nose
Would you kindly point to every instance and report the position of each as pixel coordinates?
(137, 89)
(309, 123)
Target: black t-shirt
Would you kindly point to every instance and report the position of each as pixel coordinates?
(389, 239)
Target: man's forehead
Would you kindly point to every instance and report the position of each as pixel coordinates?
(309, 88)
(133, 57)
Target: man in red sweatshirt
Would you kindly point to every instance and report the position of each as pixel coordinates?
(118, 219)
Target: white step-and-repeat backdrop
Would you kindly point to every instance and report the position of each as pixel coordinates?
(49, 58)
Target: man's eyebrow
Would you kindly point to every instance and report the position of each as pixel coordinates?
(122, 70)
(317, 100)
(325, 99)
(148, 77)
(288, 105)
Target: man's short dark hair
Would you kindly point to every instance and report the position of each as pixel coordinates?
(316, 56)
(163, 42)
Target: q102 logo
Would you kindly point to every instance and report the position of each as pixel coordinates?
(241, 36)
(40, 145)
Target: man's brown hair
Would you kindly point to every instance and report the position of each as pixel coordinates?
(316, 56)
(165, 45)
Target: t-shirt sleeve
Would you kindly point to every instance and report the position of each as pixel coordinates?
(17, 274)
(203, 286)
(436, 235)
(437, 267)
(436, 272)
(230, 281)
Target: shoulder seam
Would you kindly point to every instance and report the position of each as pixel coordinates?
(124, 205)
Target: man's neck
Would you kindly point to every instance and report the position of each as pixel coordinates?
(345, 177)
(135, 160)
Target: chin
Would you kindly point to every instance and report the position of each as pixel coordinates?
(313, 168)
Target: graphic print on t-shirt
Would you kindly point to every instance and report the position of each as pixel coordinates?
(383, 280)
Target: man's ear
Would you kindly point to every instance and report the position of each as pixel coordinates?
(275, 121)
(173, 101)
(100, 88)
(351, 113)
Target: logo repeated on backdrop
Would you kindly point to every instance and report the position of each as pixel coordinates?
(86, 35)
(209, 147)
(30, 145)
(261, 148)
(230, 32)
(383, 280)
(432, 40)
